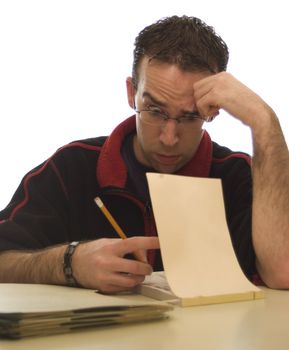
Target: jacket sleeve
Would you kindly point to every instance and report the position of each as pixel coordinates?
(36, 217)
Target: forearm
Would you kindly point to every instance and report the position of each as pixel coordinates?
(270, 217)
(42, 266)
(271, 202)
(98, 264)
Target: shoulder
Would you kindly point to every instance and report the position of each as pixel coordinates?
(222, 154)
(84, 148)
(73, 157)
(93, 144)
(230, 164)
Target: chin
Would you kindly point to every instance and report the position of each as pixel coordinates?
(167, 169)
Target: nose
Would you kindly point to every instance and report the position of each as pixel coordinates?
(169, 133)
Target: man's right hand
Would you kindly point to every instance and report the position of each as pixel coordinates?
(101, 264)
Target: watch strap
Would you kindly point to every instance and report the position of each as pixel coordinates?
(67, 264)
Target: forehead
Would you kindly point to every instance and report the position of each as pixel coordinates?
(167, 80)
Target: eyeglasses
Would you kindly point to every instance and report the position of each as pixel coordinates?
(154, 117)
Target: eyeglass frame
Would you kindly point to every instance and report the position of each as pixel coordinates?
(178, 120)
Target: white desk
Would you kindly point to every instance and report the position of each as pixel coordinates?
(260, 324)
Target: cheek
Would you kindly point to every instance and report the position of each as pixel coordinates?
(191, 141)
(146, 134)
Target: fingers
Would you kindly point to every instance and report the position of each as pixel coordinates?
(206, 99)
(137, 244)
(141, 255)
(223, 91)
(115, 283)
(109, 262)
(115, 274)
(101, 264)
(118, 274)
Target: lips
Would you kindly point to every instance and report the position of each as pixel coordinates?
(167, 159)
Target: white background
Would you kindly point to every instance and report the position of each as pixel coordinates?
(63, 65)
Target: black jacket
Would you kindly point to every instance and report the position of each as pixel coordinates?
(55, 201)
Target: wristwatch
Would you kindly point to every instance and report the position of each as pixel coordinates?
(67, 268)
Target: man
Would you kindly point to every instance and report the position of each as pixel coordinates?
(178, 82)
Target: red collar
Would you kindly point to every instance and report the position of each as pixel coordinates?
(111, 169)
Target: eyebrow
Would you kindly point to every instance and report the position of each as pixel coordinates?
(165, 105)
(153, 99)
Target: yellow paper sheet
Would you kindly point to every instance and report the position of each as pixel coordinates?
(199, 260)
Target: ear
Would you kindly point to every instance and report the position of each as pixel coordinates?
(130, 90)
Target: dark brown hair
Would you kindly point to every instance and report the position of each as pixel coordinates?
(185, 41)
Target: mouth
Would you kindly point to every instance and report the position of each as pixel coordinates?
(167, 159)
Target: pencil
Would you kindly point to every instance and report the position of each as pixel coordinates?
(109, 217)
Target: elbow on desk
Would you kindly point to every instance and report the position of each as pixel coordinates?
(275, 277)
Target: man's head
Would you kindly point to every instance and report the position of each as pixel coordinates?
(169, 58)
(185, 41)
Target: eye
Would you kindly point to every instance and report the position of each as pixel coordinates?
(155, 109)
(156, 112)
(156, 115)
(191, 118)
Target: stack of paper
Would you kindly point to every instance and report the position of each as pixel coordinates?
(31, 309)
